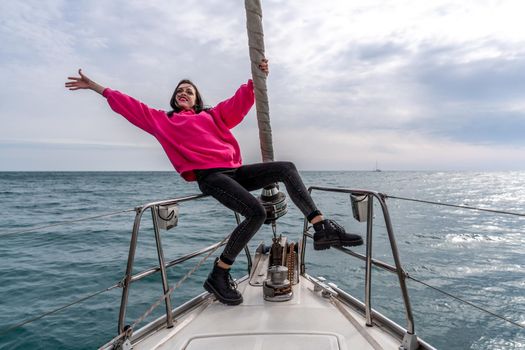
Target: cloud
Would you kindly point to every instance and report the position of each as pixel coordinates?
(455, 72)
(35, 33)
(486, 80)
(345, 76)
(392, 150)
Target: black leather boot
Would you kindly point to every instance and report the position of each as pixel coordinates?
(221, 284)
(329, 234)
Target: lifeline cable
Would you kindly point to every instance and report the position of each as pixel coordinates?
(66, 222)
(177, 285)
(116, 285)
(466, 302)
(483, 309)
(18, 325)
(456, 205)
(495, 211)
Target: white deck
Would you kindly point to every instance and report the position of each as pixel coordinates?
(308, 321)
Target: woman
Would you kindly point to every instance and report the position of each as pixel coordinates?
(201, 147)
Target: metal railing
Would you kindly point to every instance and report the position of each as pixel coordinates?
(369, 261)
(371, 315)
(163, 265)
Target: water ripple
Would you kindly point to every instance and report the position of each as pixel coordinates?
(475, 255)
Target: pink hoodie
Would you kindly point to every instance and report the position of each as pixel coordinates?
(191, 141)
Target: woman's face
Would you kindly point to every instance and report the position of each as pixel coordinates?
(185, 96)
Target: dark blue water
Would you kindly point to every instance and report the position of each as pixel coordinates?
(474, 255)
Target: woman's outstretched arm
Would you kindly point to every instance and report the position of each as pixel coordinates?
(83, 82)
(133, 110)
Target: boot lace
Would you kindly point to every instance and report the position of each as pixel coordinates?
(231, 281)
(335, 226)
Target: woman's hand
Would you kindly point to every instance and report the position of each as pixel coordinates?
(83, 82)
(264, 66)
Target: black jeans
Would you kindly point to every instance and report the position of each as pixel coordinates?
(231, 188)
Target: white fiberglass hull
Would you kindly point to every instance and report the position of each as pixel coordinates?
(308, 321)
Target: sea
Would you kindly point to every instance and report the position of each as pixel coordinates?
(64, 240)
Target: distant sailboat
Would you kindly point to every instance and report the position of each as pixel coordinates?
(377, 169)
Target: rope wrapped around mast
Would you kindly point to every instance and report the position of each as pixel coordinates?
(256, 46)
(273, 200)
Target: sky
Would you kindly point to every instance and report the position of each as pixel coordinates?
(405, 84)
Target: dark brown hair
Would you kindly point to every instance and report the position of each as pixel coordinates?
(199, 103)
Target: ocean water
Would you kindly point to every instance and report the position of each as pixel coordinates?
(474, 255)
